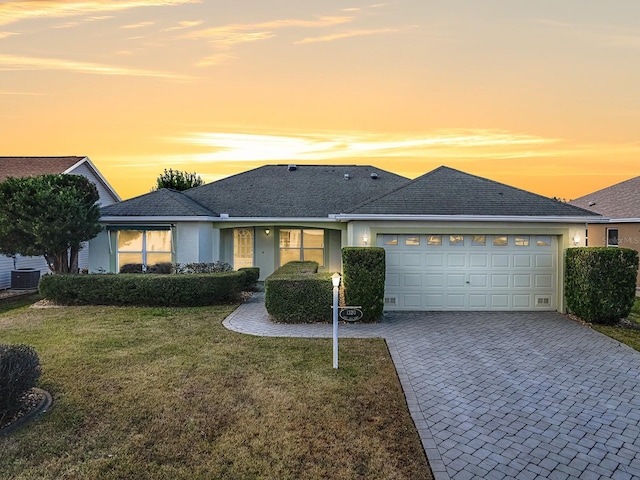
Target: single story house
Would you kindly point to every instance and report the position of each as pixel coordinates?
(454, 241)
(620, 204)
(33, 166)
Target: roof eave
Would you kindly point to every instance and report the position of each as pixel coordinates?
(155, 218)
(469, 218)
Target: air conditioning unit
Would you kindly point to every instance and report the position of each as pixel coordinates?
(25, 279)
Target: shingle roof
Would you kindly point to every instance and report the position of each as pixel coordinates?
(621, 200)
(31, 166)
(163, 202)
(445, 191)
(308, 191)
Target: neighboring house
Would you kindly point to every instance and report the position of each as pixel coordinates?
(454, 241)
(620, 204)
(32, 166)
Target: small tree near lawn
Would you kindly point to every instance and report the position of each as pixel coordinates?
(48, 215)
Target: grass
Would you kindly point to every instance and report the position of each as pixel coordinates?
(160, 393)
(628, 336)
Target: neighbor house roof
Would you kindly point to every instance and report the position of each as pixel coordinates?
(621, 200)
(164, 202)
(31, 166)
(448, 192)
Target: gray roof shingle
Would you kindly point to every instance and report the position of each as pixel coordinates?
(621, 200)
(163, 202)
(308, 191)
(445, 191)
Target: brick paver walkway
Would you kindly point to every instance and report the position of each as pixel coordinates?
(503, 395)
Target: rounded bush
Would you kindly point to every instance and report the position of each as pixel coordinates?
(19, 372)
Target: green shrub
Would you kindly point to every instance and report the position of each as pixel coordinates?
(297, 293)
(131, 268)
(19, 372)
(251, 277)
(164, 268)
(147, 290)
(363, 278)
(600, 282)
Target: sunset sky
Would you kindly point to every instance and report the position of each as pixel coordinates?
(543, 95)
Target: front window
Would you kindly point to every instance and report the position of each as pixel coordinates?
(301, 245)
(146, 247)
(612, 237)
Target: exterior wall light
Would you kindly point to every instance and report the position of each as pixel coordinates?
(576, 239)
(365, 239)
(267, 231)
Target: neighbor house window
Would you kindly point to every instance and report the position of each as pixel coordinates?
(242, 247)
(146, 247)
(612, 237)
(301, 245)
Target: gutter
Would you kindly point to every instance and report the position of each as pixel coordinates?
(345, 217)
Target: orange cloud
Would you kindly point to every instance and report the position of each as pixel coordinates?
(339, 36)
(29, 9)
(15, 62)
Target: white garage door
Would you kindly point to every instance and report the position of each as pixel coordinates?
(470, 272)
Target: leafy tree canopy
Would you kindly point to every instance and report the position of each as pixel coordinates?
(178, 180)
(48, 215)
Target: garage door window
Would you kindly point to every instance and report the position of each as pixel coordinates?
(500, 241)
(390, 239)
(479, 240)
(456, 240)
(434, 240)
(412, 240)
(522, 241)
(543, 241)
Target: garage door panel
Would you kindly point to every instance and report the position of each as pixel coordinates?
(456, 260)
(456, 280)
(521, 281)
(412, 280)
(411, 260)
(522, 261)
(497, 274)
(500, 260)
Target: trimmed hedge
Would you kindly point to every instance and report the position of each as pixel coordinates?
(19, 372)
(145, 290)
(600, 282)
(252, 275)
(297, 293)
(364, 272)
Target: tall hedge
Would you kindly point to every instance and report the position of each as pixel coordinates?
(297, 293)
(600, 282)
(363, 278)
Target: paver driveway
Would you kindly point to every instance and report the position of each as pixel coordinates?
(504, 395)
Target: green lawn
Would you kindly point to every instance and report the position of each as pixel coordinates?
(159, 393)
(627, 336)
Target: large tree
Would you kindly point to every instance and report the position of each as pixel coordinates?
(178, 180)
(48, 215)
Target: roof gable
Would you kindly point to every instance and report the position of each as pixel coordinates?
(445, 191)
(621, 200)
(162, 202)
(284, 191)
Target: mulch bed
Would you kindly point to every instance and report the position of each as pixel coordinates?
(34, 402)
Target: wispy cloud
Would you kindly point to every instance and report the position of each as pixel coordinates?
(234, 33)
(184, 25)
(138, 25)
(16, 11)
(7, 34)
(340, 36)
(15, 62)
(354, 145)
